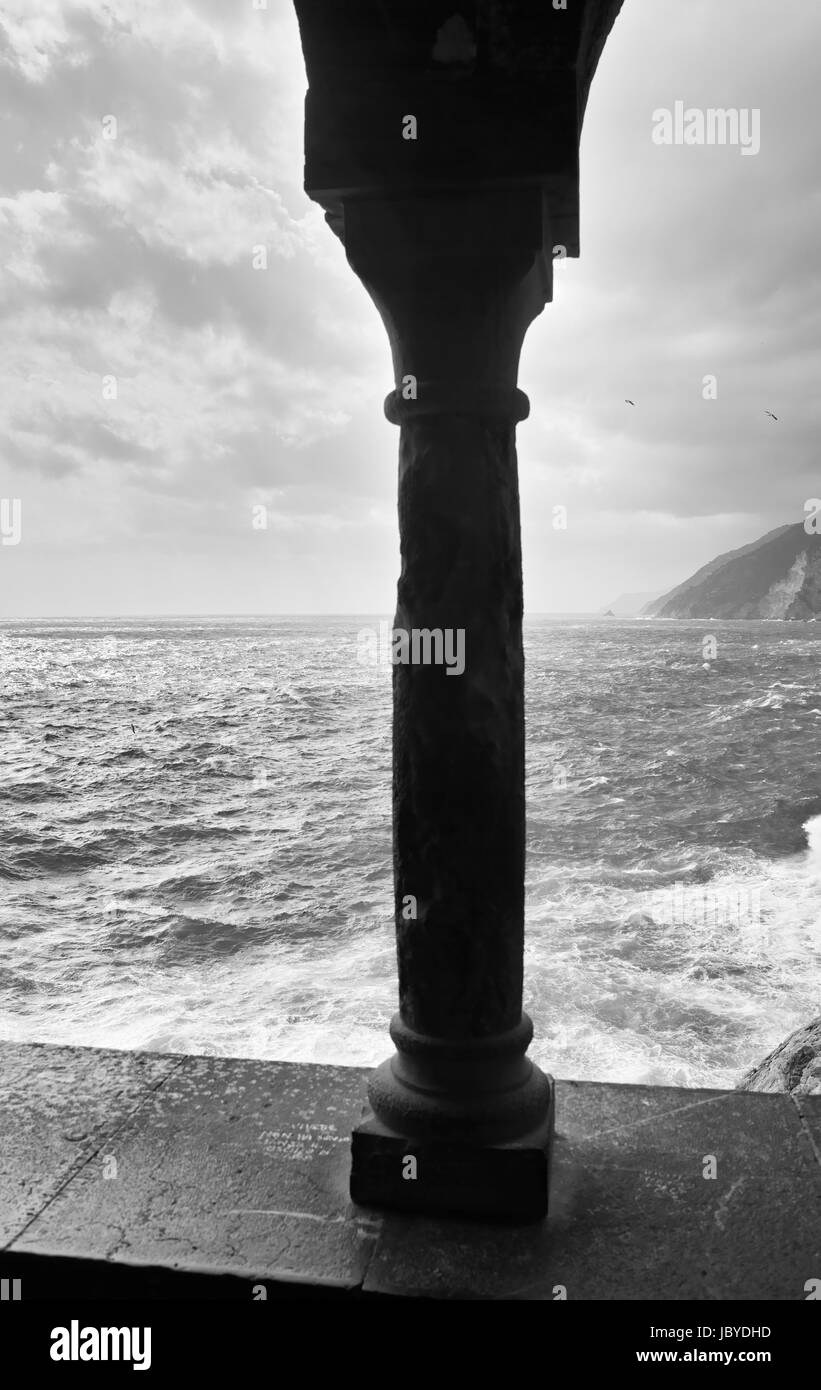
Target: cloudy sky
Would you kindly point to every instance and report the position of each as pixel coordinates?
(132, 258)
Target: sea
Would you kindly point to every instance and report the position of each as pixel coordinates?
(195, 840)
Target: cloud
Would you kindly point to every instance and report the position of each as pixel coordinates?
(134, 258)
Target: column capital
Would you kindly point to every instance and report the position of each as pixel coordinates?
(457, 280)
(496, 91)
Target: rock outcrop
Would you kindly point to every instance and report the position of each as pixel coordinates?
(794, 1066)
(777, 576)
(631, 605)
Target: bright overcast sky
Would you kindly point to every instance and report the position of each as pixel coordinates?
(237, 386)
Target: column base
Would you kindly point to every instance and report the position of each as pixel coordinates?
(507, 1182)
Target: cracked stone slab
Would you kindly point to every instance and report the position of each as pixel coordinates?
(632, 1214)
(808, 1109)
(241, 1168)
(57, 1107)
(231, 1167)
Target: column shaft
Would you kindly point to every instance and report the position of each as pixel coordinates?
(458, 796)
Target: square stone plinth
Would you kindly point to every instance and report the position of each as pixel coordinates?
(499, 1182)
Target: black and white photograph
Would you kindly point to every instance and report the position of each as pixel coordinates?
(410, 671)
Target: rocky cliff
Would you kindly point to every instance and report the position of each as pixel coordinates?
(777, 576)
(794, 1066)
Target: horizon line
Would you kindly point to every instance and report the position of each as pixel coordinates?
(169, 617)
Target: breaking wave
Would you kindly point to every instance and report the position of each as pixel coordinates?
(195, 842)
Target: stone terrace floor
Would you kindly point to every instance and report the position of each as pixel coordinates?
(195, 1175)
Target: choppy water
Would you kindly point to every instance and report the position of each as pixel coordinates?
(219, 880)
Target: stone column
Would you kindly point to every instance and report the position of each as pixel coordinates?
(457, 279)
(436, 137)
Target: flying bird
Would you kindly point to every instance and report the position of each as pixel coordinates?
(626, 402)
(772, 417)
